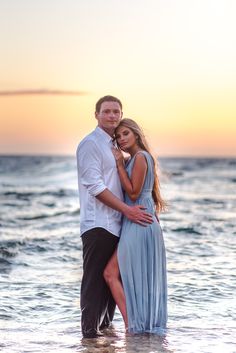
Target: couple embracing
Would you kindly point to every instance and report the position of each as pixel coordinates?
(124, 260)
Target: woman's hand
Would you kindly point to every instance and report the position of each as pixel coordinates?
(118, 156)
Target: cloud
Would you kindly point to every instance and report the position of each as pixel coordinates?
(42, 92)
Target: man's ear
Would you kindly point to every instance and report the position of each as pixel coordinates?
(96, 115)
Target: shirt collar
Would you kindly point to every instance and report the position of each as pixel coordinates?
(103, 134)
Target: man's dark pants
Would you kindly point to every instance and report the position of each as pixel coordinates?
(96, 302)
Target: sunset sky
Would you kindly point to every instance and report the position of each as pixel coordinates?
(171, 62)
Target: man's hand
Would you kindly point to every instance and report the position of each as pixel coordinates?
(137, 215)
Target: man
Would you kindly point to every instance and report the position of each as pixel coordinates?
(101, 207)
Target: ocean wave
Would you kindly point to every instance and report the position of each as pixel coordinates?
(7, 252)
(41, 216)
(4, 261)
(27, 195)
(6, 244)
(209, 201)
(189, 230)
(47, 215)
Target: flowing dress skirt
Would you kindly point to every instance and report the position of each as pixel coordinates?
(142, 263)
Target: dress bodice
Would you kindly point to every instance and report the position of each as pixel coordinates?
(145, 197)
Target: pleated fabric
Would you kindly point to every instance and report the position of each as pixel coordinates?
(142, 263)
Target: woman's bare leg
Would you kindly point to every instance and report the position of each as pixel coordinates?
(112, 277)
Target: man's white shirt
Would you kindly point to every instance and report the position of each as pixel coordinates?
(96, 172)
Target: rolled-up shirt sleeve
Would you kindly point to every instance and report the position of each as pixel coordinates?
(89, 166)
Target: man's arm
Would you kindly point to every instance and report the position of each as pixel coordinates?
(133, 213)
(89, 161)
(90, 174)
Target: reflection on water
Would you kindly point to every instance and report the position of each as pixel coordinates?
(127, 343)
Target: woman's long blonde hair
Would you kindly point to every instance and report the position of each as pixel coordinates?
(142, 143)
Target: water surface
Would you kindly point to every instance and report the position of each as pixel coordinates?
(41, 259)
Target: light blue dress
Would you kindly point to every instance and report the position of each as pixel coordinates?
(142, 263)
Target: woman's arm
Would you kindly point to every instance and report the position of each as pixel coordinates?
(133, 185)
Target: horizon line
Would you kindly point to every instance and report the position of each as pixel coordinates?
(73, 155)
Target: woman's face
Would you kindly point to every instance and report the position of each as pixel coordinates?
(125, 138)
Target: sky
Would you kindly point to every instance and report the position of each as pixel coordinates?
(171, 62)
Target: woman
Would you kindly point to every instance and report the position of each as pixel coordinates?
(136, 273)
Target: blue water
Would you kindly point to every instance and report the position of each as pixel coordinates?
(41, 259)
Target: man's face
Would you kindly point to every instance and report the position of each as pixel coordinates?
(109, 116)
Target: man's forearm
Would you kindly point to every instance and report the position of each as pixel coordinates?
(133, 213)
(110, 200)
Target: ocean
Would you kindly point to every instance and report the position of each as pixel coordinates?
(41, 259)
